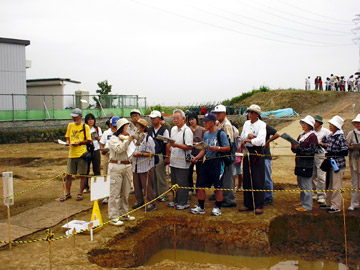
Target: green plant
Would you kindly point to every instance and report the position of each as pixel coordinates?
(105, 89)
(238, 99)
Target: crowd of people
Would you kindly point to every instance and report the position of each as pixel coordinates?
(224, 155)
(335, 83)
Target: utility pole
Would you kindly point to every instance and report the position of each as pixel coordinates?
(356, 32)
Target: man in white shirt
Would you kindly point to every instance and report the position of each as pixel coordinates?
(179, 152)
(160, 179)
(318, 180)
(253, 137)
(229, 199)
(307, 83)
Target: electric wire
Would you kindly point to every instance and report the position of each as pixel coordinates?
(268, 31)
(226, 28)
(287, 19)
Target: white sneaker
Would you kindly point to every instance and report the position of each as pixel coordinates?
(216, 211)
(315, 197)
(197, 210)
(321, 201)
(129, 218)
(182, 207)
(116, 222)
(352, 208)
(171, 204)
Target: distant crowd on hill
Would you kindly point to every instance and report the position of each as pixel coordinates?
(335, 83)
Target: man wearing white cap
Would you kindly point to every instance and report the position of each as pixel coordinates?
(229, 199)
(336, 149)
(160, 179)
(135, 115)
(353, 140)
(77, 137)
(253, 137)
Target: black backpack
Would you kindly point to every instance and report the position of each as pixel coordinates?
(160, 146)
(227, 157)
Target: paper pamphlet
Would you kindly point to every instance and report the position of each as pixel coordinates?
(289, 138)
(165, 139)
(79, 225)
(131, 149)
(61, 142)
(201, 145)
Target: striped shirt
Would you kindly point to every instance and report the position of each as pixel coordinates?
(144, 164)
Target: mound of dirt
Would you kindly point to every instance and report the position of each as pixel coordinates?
(303, 102)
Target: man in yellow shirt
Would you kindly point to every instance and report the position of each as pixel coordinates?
(77, 140)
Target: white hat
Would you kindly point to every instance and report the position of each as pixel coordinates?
(155, 114)
(135, 111)
(219, 108)
(309, 120)
(76, 112)
(254, 108)
(357, 119)
(337, 121)
(121, 122)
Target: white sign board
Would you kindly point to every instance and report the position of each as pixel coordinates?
(100, 187)
(8, 188)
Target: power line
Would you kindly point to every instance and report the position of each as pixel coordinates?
(313, 13)
(275, 25)
(226, 28)
(287, 19)
(265, 30)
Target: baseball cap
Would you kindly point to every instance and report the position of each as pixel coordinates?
(113, 120)
(76, 112)
(220, 108)
(135, 111)
(209, 117)
(155, 114)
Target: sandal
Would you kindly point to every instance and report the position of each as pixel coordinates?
(79, 197)
(65, 197)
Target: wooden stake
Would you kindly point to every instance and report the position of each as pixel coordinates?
(9, 225)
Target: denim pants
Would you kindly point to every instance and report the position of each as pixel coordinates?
(268, 180)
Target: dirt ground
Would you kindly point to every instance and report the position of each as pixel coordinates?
(33, 164)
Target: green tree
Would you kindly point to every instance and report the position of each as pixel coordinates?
(105, 89)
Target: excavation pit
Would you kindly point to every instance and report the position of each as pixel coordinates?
(309, 237)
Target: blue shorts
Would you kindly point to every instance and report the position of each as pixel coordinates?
(210, 174)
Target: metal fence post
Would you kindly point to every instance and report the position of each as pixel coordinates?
(53, 105)
(13, 106)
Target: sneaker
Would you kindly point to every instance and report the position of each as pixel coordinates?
(325, 207)
(331, 211)
(352, 208)
(151, 207)
(163, 199)
(321, 201)
(268, 201)
(216, 211)
(129, 218)
(197, 210)
(137, 205)
(116, 222)
(171, 204)
(301, 209)
(315, 197)
(105, 201)
(182, 207)
(86, 190)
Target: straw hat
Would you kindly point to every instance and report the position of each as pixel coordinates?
(309, 120)
(143, 122)
(337, 121)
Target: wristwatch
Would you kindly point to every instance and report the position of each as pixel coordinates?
(219, 148)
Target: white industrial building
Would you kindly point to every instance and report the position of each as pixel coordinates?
(13, 66)
(55, 93)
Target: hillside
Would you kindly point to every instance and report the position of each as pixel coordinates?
(304, 102)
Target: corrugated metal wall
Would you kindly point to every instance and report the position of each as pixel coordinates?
(12, 75)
